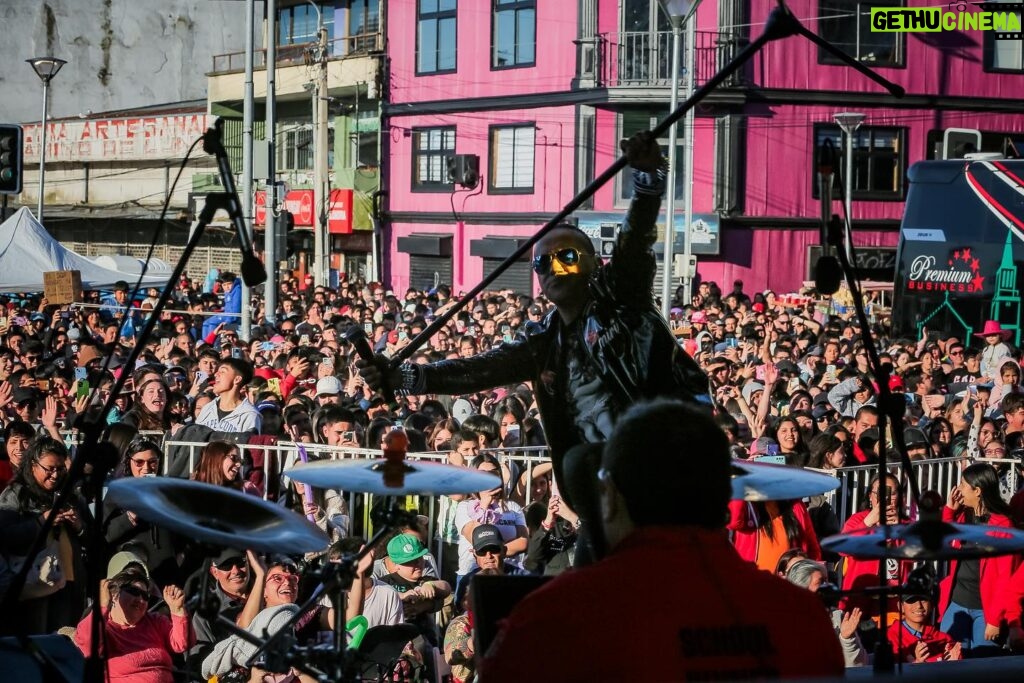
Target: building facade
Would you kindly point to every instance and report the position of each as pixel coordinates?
(540, 93)
(353, 61)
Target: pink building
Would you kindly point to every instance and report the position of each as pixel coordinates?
(540, 93)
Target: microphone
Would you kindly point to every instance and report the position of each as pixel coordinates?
(252, 270)
(827, 272)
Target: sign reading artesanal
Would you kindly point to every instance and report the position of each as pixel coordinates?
(960, 274)
(123, 139)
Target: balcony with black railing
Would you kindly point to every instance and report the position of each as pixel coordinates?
(643, 59)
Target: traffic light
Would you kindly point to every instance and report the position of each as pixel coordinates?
(464, 170)
(10, 159)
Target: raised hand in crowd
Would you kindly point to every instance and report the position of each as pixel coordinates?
(851, 620)
(175, 599)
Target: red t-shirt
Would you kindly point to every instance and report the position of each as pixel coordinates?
(905, 639)
(6, 473)
(669, 603)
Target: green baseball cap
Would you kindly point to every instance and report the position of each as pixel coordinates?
(405, 548)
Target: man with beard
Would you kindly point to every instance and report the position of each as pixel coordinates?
(603, 347)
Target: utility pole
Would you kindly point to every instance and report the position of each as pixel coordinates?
(321, 191)
(270, 229)
(247, 114)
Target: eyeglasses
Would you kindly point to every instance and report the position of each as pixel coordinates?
(31, 358)
(995, 452)
(914, 599)
(57, 471)
(484, 552)
(146, 463)
(282, 577)
(570, 256)
(134, 591)
(956, 353)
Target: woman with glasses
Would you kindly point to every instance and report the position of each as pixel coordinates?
(50, 599)
(271, 603)
(220, 464)
(162, 549)
(859, 574)
(138, 644)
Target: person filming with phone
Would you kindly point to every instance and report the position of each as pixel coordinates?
(602, 348)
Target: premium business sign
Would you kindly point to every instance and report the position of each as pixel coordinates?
(961, 273)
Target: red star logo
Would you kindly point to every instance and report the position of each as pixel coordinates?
(967, 254)
(956, 255)
(975, 265)
(977, 284)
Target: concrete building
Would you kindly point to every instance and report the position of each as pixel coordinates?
(540, 93)
(122, 113)
(355, 72)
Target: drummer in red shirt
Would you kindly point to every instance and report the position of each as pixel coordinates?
(665, 485)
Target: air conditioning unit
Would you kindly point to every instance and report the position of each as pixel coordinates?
(464, 170)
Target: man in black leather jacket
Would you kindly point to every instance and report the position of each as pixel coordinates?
(604, 346)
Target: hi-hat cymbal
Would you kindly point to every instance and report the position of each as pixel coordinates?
(759, 481)
(416, 477)
(927, 540)
(217, 515)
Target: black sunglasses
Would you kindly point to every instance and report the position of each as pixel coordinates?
(134, 591)
(570, 256)
(232, 563)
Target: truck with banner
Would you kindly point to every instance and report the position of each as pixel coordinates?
(961, 243)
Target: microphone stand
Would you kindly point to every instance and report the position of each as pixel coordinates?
(335, 576)
(101, 456)
(780, 24)
(891, 409)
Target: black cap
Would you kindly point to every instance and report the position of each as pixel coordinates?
(914, 437)
(228, 554)
(487, 536)
(25, 394)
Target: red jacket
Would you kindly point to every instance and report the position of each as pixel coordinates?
(906, 642)
(712, 615)
(995, 575)
(746, 535)
(859, 574)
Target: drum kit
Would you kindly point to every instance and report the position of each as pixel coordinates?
(218, 517)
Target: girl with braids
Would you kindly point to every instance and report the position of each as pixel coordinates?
(972, 597)
(762, 532)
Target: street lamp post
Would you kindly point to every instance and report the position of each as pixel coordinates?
(46, 68)
(677, 11)
(849, 122)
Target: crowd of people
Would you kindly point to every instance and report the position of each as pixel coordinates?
(772, 379)
(788, 386)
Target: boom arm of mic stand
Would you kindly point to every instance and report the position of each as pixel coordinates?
(884, 658)
(780, 24)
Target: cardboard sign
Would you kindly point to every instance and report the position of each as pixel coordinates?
(62, 286)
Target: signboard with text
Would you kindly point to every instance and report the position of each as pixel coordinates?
(300, 204)
(144, 138)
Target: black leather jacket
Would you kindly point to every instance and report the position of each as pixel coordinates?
(623, 338)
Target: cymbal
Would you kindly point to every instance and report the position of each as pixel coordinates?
(760, 481)
(927, 540)
(217, 515)
(415, 477)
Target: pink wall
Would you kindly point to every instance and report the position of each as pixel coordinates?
(775, 259)
(554, 160)
(471, 267)
(555, 55)
(948, 63)
(780, 154)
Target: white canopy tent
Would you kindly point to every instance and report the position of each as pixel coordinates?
(27, 251)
